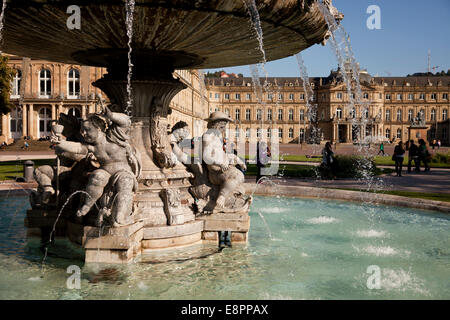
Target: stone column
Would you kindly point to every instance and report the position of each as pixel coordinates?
(54, 115)
(24, 120)
(31, 124)
(83, 111)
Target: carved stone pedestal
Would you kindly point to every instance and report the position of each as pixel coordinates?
(107, 245)
(237, 223)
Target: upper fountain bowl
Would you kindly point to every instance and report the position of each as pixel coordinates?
(193, 33)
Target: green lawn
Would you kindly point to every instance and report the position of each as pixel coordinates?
(11, 169)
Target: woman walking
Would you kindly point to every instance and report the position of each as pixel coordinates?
(399, 154)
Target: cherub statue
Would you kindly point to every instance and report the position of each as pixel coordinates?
(66, 128)
(217, 185)
(115, 179)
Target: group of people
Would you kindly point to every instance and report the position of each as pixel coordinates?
(435, 143)
(417, 153)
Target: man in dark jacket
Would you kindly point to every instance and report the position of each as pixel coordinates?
(413, 155)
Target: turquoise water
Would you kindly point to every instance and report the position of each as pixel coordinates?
(318, 250)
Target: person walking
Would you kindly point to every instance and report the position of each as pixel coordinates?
(439, 144)
(262, 157)
(381, 149)
(423, 155)
(328, 160)
(413, 155)
(399, 153)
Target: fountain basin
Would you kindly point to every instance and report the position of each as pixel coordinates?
(320, 250)
(200, 34)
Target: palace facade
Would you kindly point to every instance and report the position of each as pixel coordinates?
(42, 90)
(392, 104)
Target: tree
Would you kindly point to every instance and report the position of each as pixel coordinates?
(6, 78)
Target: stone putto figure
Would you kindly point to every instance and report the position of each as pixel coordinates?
(66, 128)
(217, 186)
(118, 166)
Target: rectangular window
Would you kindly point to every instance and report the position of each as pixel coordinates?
(422, 96)
(280, 114)
(433, 96)
(280, 133)
(388, 96)
(247, 133)
(238, 96)
(410, 96)
(269, 96)
(339, 95)
(227, 96)
(217, 95)
(291, 96)
(269, 114)
(302, 96)
(399, 96)
(302, 114)
(366, 95)
(291, 115)
(291, 133)
(445, 96)
(237, 113)
(280, 96)
(249, 96)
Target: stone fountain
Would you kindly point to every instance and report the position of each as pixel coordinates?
(139, 192)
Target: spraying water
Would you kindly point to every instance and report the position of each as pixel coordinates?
(129, 5)
(2, 15)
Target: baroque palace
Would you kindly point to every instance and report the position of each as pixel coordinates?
(43, 89)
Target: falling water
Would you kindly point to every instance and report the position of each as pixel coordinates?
(56, 221)
(2, 15)
(309, 97)
(340, 42)
(129, 5)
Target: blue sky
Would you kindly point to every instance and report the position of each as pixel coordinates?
(409, 28)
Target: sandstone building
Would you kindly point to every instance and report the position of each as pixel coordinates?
(42, 89)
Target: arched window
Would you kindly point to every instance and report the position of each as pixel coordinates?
(45, 122)
(15, 93)
(237, 114)
(399, 133)
(388, 134)
(366, 113)
(302, 135)
(15, 123)
(280, 114)
(410, 115)
(45, 84)
(258, 114)
(302, 114)
(399, 115)
(75, 112)
(444, 114)
(269, 114)
(73, 84)
(388, 115)
(433, 114)
(339, 113)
